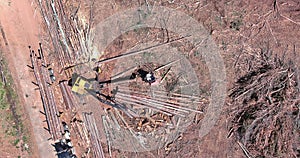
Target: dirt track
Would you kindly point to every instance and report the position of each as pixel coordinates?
(21, 27)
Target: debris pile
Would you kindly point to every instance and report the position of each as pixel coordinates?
(265, 118)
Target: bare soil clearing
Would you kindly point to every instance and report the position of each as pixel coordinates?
(258, 41)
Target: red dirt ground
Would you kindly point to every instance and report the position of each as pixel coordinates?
(21, 24)
(240, 29)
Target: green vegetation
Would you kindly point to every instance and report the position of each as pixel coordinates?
(10, 110)
(3, 104)
(15, 143)
(237, 21)
(196, 53)
(236, 24)
(25, 138)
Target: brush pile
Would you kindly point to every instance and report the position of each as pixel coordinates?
(266, 102)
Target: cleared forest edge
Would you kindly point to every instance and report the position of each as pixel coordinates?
(13, 123)
(258, 41)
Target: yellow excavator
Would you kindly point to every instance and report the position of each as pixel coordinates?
(80, 84)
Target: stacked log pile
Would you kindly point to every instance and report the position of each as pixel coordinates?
(48, 98)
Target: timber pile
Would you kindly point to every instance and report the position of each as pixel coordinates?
(62, 34)
(68, 97)
(46, 91)
(92, 129)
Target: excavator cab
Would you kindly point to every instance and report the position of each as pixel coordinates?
(80, 84)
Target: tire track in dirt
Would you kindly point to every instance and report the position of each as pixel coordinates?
(21, 27)
(3, 34)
